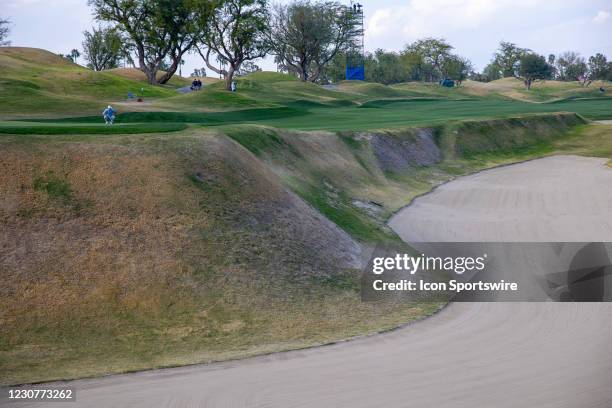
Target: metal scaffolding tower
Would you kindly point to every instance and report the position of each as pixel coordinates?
(355, 58)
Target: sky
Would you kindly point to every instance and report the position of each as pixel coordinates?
(473, 27)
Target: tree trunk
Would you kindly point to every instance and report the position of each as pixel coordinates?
(150, 72)
(229, 77)
(176, 63)
(171, 71)
(151, 75)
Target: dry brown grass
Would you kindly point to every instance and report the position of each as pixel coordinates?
(139, 264)
(26, 55)
(154, 250)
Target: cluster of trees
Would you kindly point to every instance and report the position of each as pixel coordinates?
(154, 35)
(513, 61)
(432, 59)
(428, 59)
(309, 38)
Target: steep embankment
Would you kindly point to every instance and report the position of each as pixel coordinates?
(136, 251)
(358, 179)
(131, 252)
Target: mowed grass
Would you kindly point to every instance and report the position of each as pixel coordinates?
(28, 128)
(375, 114)
(38, 84)
(427, 111)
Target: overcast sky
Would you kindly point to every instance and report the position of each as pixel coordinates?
(473, 27)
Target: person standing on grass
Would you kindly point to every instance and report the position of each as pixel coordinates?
(109, 115)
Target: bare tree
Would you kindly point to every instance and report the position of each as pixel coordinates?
(306, 36)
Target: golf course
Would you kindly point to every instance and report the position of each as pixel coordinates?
(210, 226)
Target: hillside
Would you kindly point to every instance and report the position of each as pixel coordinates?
(541, 91)
(198, 245)
(510, 88)
(215, 225)
(35, 82)
(163, 250)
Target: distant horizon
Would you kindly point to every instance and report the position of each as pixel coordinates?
(473, 27)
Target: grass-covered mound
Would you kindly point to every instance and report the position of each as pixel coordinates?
(259, 89)
(35, 82)
(541, 91)
(510, 88)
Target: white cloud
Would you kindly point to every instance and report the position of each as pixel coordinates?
(438, 18)
(601, 17)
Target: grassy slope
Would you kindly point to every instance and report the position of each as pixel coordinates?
(159, 250)
(342, 176)
(260, 89)
(162, 249)
(34, 82)
(511, 88)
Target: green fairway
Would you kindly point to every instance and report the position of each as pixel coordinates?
(384, 113)
(45, 94)
(423, 112)
(25, 128)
